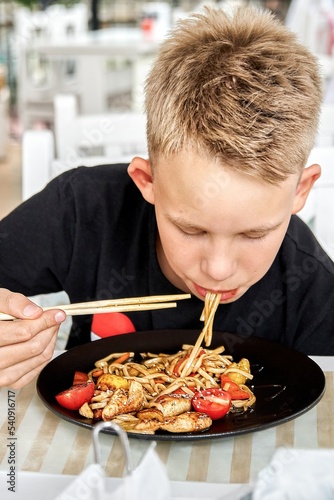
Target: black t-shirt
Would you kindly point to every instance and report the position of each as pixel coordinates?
(90, 233)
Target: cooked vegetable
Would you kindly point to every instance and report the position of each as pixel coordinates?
(74, 397)
(232, 388)
(215, 403)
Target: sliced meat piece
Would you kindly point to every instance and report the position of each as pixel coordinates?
(173, 405)
(148, 425)
(124, 401)
(150, 413)
(191, 421)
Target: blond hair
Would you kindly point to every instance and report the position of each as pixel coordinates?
(240, 88)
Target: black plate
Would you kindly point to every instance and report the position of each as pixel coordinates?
(286, 383)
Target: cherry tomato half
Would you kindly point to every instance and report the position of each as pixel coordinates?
(80, 378)
(74, 397)
(228, 385)
(214, 402)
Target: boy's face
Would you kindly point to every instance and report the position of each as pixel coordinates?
(218, 230)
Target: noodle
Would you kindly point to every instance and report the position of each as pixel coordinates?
(211, 303)
(191, 369)
(206, 369)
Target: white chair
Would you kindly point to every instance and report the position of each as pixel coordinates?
(86, 140)
(318, 212)
(118, 136)
(38, 153)
(325, 135)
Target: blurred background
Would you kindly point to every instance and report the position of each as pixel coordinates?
(72, 73)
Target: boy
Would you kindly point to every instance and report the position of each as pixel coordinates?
(232, 107)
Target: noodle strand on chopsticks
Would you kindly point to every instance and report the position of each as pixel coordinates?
(211, 303)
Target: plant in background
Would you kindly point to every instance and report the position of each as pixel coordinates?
(43, 4)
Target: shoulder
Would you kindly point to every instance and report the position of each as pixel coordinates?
(98, 175)
(301, 247)
(85, 184)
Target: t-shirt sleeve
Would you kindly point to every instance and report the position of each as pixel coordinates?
(36, 240)
(309, 283)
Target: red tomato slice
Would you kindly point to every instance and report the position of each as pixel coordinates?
(177, 371)
(80, 378)
(74, 397)
(214, 402)
(228, 385)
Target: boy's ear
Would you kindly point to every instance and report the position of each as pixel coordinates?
(305, 184)
(140, 172)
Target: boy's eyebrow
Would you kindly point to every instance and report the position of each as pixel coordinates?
(263, 228)
(185, 224)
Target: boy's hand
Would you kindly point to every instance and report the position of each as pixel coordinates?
(26, 344)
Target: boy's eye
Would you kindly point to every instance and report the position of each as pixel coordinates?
(255, 237)
(190, 232)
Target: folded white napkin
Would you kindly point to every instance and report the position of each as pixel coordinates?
(148, 481)
(297, 474)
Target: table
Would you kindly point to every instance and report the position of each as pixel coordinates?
(49, 445)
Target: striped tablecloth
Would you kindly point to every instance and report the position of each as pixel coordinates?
(42, 442)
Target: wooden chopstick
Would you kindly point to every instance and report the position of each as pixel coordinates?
(125, 308)
(118, 305)
(120, 302)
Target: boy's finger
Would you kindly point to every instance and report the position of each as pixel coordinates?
(17, 331)
(18, 375)
(18, 305)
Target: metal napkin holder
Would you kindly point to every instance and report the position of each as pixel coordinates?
(100, 427)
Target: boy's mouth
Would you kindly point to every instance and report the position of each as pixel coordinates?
(225, 294)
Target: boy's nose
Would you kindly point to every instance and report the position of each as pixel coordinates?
(218, 265)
